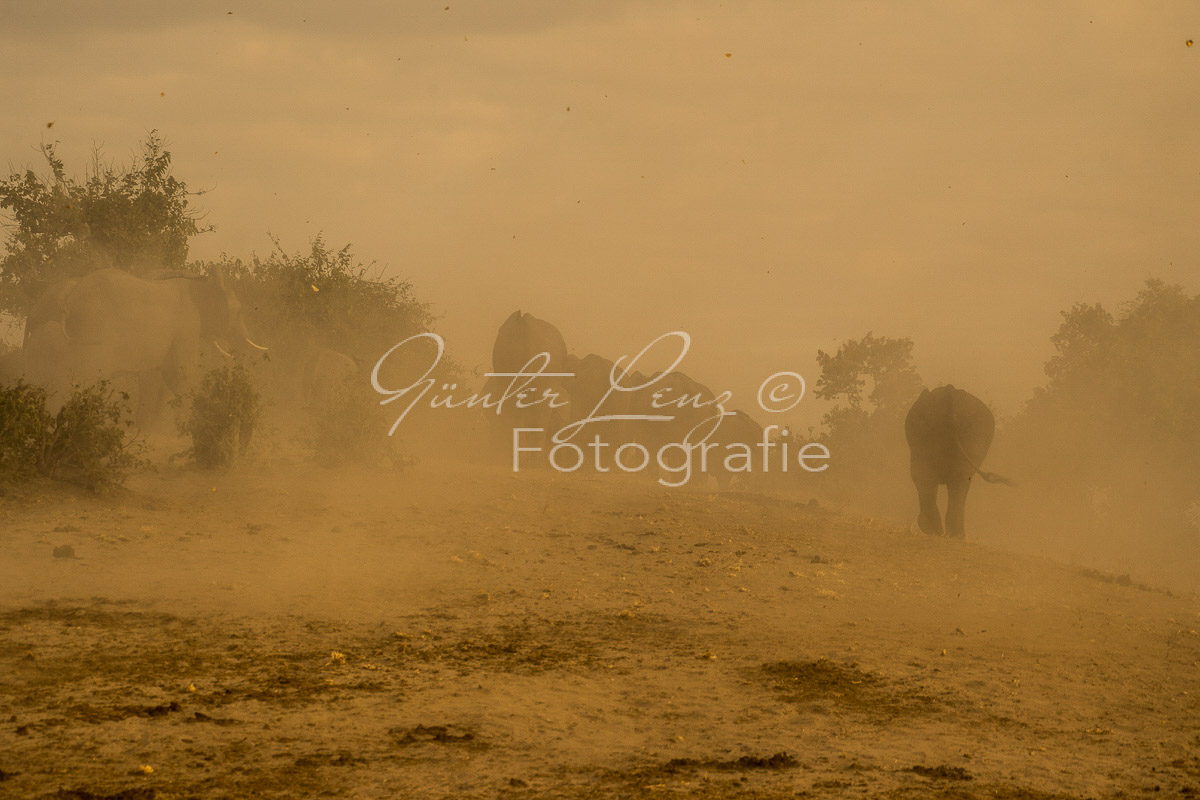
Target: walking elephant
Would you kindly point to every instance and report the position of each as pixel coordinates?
(521, 338)
(12, 367)
(739, 436)
(50, 307)
(949, 432)
(109, 324)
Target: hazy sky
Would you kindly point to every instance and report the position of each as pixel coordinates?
(773, 177)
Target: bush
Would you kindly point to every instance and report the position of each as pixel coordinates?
(25, 427)
(341, 431)
(327, 298)
(134, 217)
(349, 426)
(872, 383)
(224, 414)
(87, 444)
(84, 443)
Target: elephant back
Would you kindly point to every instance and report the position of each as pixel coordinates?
(949, 429)
(973, 424)
(523, 336)
(51, 307)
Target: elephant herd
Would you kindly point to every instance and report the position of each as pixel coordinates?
(157, 329)
(153, 330)
(948, 430)
(584, 384)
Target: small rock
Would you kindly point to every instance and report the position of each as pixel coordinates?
(64, 551)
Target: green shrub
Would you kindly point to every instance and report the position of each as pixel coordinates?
(87, 444)
(326, 298)
(24, 429)
(223, 415)
(84, 443)
(871, 383)
(135, 217)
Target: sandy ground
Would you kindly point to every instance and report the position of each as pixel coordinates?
(470, 633)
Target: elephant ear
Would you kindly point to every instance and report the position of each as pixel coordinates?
(209, 297)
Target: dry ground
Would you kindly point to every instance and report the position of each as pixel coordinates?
(469, 633)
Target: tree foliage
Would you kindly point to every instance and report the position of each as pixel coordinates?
(138, 218)
(1135, 375)
(135, 217)
(325, 297)
(886, 363)
(871, 382)
(1117, 416)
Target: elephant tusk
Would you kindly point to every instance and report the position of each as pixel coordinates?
(222, 349)
(259, 346)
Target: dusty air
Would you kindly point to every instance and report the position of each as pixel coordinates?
(599, 400)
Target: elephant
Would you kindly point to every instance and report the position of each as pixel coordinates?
(523, 336)
(50, 307)
(694, 420)
(949, 432)
(520, 338)
(736, 428)
(11, 367)
(110, 324)
(589, 386)
(677, 396)
(591, 377)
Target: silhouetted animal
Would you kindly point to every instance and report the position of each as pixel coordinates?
(520, 338)
(110, 323)
(591, 383)
(737, 428)
(949, 432)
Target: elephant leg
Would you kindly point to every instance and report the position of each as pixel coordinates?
(174, 378)
(929, 519)
(149, 397)
(956, 507)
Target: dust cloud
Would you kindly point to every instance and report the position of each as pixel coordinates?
(371, 602)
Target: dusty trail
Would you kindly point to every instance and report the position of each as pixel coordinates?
(471, 633)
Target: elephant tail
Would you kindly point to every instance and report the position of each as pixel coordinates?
(990, 477)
